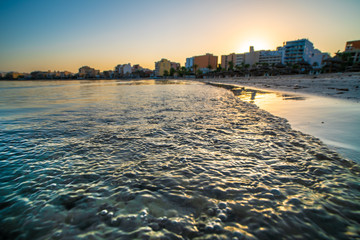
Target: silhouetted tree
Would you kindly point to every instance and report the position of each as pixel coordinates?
(231, 66)
(172, 71)
(195, 68)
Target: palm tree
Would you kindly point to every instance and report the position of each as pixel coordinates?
(209, 67)
(172, 71)
(183, 71)
(231, 66)
(195, 66)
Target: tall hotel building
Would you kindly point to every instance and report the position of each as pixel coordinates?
(303, 50)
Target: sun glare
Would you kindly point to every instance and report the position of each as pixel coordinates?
(259, 44)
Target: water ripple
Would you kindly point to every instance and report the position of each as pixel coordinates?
(167, 162)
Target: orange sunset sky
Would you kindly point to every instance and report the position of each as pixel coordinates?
(65, 35)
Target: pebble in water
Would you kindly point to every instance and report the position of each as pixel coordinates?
(222, 217)
(275, 192)
(218, 228)
(155, 226)
(209, 228)
(125, 180)
(222, 205)
(295, 201)
(104, 212)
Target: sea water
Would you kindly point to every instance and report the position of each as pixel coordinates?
(163, 160)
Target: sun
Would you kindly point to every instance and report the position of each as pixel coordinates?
(258, 43)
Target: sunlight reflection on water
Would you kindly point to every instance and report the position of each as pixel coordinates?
(163, 160)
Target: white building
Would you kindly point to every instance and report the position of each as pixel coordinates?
(272, 57)
(239, 59)
(123, 69)
(303, 50)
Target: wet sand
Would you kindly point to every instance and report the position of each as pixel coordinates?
(340, 85)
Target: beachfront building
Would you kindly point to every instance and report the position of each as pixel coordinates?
(174, 65)
(303, 50)
(207, 61)
(66, 74)
(123, 69)
(189, 63)
(136, 68)
(272, 57)
(234, 59)
(161, 67)
(88, 72)
(228, 61)
(252, 57)
(13, 75)
(353, 48)
(141, 72)
(240, 59)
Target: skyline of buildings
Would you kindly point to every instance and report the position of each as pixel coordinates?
(292, 52)
(49, 41)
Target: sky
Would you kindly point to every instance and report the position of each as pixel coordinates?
(67, 34)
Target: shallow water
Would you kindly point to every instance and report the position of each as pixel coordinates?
(163, 160)
(334, 121)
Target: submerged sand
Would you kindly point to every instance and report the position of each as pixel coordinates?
(171, 162)
(340, 85)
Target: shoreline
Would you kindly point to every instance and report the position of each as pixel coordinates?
(337, 85)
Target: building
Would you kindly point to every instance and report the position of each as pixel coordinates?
(137, 68)
(227, 60)
(88, 72)
(189, 63)
(352, 45)
(162, 66)
(353, 48)
(109, 74)
(272, 57)
(66, 74)
(174, 65)
(123, 69)
(240, 59)
(252, 57)
(237, 59)
(202, 62)
(303, 50)
(13, 75)
(207, 61)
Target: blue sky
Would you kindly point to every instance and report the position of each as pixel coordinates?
(65, 35)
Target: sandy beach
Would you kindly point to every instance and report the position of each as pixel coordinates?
(339, 85)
